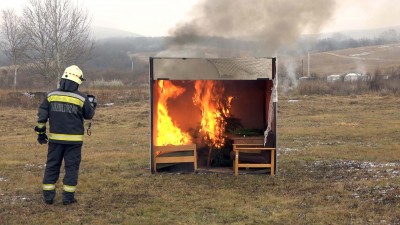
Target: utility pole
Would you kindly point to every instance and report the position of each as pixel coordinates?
(308, 66)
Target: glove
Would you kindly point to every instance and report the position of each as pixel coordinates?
(92, 100)
(42, 138)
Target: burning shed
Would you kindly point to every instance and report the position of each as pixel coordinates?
(213, 112)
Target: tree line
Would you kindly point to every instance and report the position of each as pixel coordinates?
(49, 36)
(339, 41)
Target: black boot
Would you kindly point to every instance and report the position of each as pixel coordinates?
(69, 198)
(48, 196)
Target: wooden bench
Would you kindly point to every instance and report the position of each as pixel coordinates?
(161, 155)
(253, 149)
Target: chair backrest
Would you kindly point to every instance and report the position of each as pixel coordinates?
(173, 148)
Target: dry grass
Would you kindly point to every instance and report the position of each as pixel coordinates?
(338, 164)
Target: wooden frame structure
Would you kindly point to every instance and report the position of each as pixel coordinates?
(240, 70)
(254, 148)
(161, 155)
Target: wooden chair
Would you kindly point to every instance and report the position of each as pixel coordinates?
(256, 150)
(161, 155)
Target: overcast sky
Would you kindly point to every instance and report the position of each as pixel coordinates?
(157, 17)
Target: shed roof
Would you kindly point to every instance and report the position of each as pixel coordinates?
(212, 68)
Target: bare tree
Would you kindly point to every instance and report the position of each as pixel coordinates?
(59, 35)
(13, 40)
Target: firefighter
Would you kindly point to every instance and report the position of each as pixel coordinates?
(65, 108)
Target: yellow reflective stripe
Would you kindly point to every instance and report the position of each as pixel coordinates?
(69, 188)
(63, 93)
(66, 99)
(66, 137)
(41, 125)
(49, 187)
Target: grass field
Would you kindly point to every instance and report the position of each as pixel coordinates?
(339, 163)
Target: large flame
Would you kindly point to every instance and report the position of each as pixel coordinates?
(167, 132)
(209, 97)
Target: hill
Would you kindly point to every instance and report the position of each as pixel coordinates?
(359, 34)
(363, 60)
(104, 32)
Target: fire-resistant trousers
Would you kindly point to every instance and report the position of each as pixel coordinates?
(71, 153)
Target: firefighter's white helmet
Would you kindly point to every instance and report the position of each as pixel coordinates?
(74, 74)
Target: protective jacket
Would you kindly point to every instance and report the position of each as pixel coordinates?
(65, 108)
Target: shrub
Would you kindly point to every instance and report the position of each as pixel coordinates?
(21, 99)
(104, 83)
(320, 87)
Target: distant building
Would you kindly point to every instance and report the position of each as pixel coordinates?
(334, 78)
(350, 77)
(306, 78)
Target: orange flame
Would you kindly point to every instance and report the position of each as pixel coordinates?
(167, 132)
(208, 97)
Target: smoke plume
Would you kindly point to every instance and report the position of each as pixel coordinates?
(270, 23)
